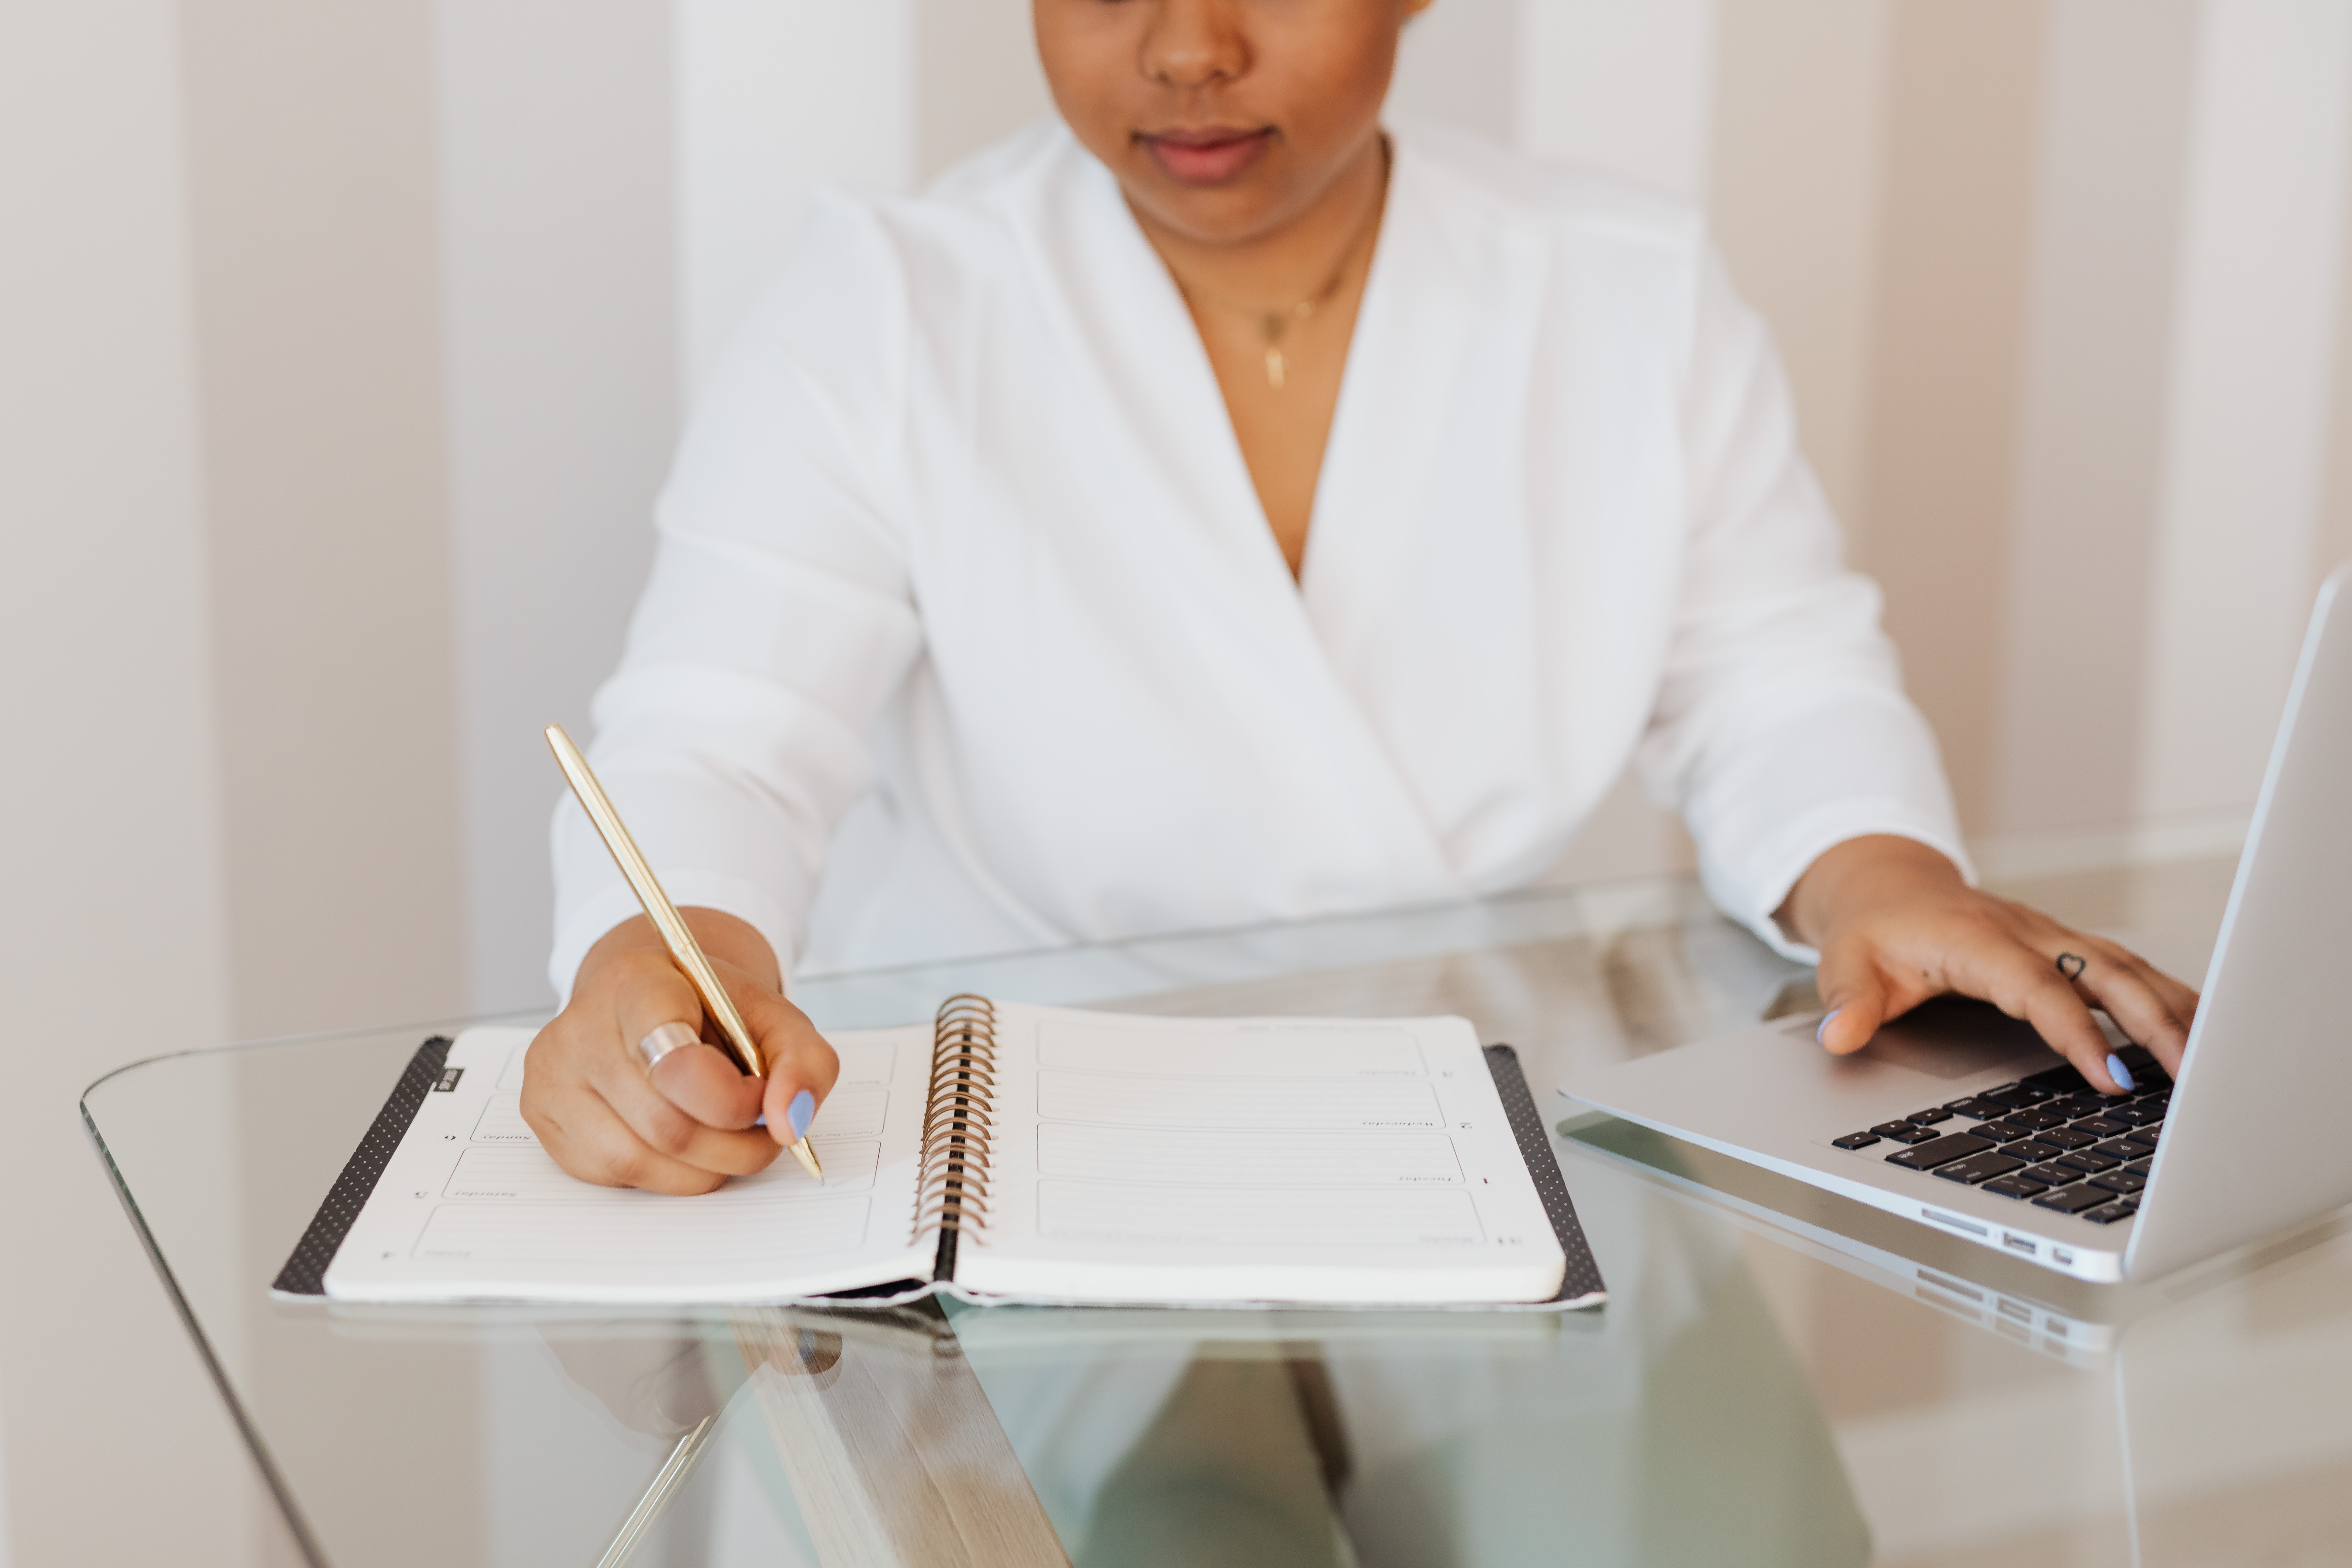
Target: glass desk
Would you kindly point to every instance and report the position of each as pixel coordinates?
(1780, 1376)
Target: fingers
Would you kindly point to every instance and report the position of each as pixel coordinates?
(664, 1116)
(2025, 984)
(588, 1138)
(584, 1134)
(645, 993)
(2144, 1003)
(670, 1130)
(802, 1069)
(1883, 955)
(597, 1108)
(702, 1081)
(1854, 995)
(2181, 999)
(687, 1122)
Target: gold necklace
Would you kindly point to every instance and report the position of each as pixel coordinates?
(1273, 324)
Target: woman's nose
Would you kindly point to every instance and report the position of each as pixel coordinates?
(1192, 43)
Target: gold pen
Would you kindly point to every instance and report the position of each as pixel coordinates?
(683, 949)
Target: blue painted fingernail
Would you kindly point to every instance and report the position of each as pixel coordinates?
(800, 1113)
(2120, 1073)
(1821, 1035)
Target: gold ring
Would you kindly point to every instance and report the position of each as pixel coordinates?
(660, 1042)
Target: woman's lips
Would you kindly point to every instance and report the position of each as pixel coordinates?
(1207, 157)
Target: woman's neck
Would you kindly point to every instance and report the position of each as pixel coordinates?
(1297, 258)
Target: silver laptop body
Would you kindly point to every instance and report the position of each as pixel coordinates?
(2072, 1321)
(2251, 1141)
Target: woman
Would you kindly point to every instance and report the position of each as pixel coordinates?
(1210, 508)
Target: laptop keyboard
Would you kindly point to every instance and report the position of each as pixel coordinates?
(2048, 1139)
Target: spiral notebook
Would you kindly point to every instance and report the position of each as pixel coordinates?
(1004, 1152)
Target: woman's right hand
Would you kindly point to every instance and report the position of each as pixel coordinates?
(685, 1123)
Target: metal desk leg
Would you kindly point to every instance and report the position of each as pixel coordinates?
(665, 1486)
(891, 1447)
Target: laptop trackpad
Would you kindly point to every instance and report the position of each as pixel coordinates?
(1952, 1037)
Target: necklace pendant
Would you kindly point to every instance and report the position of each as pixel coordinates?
(1276, 367)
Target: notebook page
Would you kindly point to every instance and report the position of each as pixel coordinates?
(1355, 1161)
(472, 1208)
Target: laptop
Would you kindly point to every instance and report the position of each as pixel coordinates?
(1959, 1118)
(2067, 1320)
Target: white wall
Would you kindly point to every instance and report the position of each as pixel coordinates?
(111, 939)
(559, 265)
(1623, 85)
(2260, 278)
(2114, 108)
(773, 99)
(320, 379)
(977, 78)
(1445, 69)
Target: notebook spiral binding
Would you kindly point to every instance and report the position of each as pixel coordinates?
(952, 1199)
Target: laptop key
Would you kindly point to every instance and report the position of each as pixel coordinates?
(2003, 1131)
(2089, 1161)
(2037, 1120)
(2138, 1114)
(2060, 1079)
(2020, 1185)
(2051, 1175)
(2065, 1137)
(2141, 1164)
(2033, 1150)
(2074, 1199)
(2121, 1182)
(1978, 1168)
(1976, 1110)
(2102, 1126)
(2017, 1097)
(1939, 1152)
(2107, 1214)
(2142, 1142)
(1855, 1141)
(2075, 1106)
(1903, 1131)
(1930, 1117)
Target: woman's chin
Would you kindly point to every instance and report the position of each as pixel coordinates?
(1246, 209)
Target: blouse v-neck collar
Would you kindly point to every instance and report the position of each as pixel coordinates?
(1129, 325)
(1412, 334)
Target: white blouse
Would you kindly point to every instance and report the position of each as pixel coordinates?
(966, 631)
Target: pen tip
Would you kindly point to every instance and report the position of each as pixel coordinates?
(807, 1157)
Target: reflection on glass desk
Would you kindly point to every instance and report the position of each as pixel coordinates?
(1780, 1377)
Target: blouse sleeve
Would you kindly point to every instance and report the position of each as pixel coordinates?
(1781, 727)
(777, 619)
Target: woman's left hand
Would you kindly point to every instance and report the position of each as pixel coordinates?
(1895, 925)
